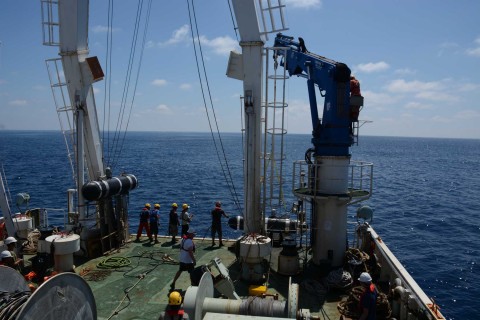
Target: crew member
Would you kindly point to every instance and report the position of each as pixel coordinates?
(187, 257)
(174, 309)
(11, 243)
(368, 299)
(217, 214)
(186, 217)
(355, 103)
(173, 222)
(144, 217)
(6, 259)
(154, 216)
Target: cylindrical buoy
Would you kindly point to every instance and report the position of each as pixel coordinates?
(272, 224)
(96, 190)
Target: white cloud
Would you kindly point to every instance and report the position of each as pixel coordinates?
(163, 108)
(469, 87)
(102, 29)
(18, 103)
(373, 66)
(417, 106)
(220, 45)
(178, 36)
(473, 52)
(467, 114)
(402, 86)
(304, 3)
(436, 96)
(185, 86)
(377, 99)
(159, 82)
(150, 44)
(447, 46)
(441, 119)
(405, 71)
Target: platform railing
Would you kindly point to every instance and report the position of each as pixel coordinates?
(360, 181)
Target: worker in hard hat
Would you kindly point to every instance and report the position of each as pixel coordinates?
(173, 222)
(187, 257)
(174, 309)
(144, 219)
(6, 259)
(186, 218)
(154, 217)
(368, 299)
(11, 242)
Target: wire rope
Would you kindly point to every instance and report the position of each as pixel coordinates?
(138, 73)
(107, 88)
(126, 86)
(223, 165)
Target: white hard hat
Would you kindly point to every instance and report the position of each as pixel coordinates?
(365, 277)
(10, 240)
(5, 254)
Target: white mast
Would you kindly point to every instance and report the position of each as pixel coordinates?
(252, 60)
(80, 73)
(248, 67)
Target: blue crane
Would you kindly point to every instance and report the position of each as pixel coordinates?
(333, 133)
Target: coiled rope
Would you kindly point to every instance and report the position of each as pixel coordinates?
(11, 304)
(113, 263)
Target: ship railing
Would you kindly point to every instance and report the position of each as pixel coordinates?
(358, 185)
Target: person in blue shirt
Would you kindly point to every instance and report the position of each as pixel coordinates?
(154, 216)
(368, 299)
(144, 219)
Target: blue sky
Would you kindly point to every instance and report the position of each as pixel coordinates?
(418, 63)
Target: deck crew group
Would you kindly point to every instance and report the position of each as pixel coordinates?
(150, 220)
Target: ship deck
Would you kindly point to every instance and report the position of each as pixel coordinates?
(137, 287)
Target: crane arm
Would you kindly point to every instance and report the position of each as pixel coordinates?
(332, 134)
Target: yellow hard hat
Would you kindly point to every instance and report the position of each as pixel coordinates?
(157, 205)
(175, 299)
(185, 206)
(147, 205)
(174, 205)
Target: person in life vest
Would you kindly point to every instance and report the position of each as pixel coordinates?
(11, 243)
(173, 222)
(154, 216)
(174, 309)
(217, 214)
(186, 218)
(368, 299)
(356, 99)
(144, 218)
(187, 256)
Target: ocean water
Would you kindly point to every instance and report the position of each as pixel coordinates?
(426, 201)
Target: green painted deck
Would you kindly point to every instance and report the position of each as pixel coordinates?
(140, 289)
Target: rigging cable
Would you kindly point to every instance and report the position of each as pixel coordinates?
(118, 146)
(229, 179)
(147, 20)
(126, 86)
(108, 82)
(233, 21)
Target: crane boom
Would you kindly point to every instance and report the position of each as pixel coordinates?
(332, 134)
